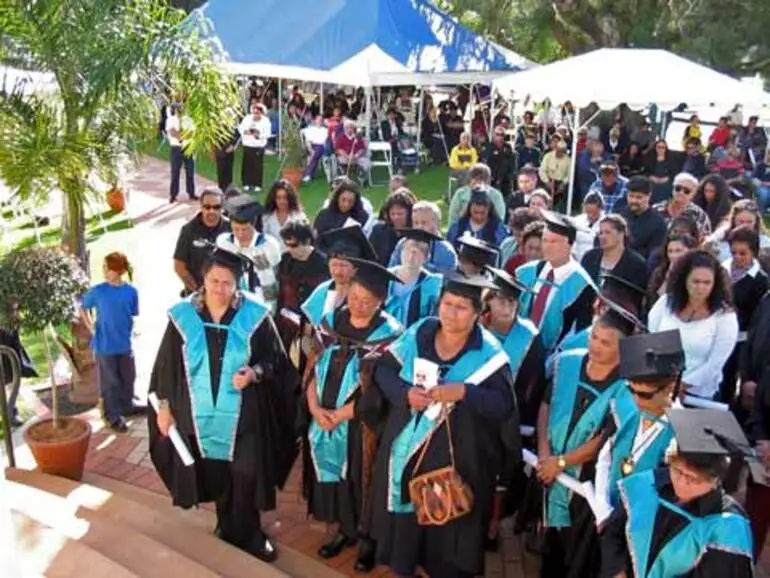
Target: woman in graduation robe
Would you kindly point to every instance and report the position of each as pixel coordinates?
(223, 378)
(476, 389)
(570, 428)
(416, 295)
(334, 465)
(679, 520)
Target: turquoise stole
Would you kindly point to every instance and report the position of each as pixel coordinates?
(329, 450)
(726, 531)
(244, 281)
(216, 421)
(428, 289)
(562, 405)
(623, 444)
(319, 303)
(517, 343)
(473, 367)
(623, 407)
(577, 340)
(563, 294)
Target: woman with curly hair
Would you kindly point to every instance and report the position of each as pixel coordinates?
(677, 244)
(395, 215)
(345, 203)
(713, 196)
(282, 206)
(698, 303)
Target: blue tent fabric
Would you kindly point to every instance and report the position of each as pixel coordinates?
(324, 34)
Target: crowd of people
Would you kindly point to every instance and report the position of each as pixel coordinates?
(602, 377)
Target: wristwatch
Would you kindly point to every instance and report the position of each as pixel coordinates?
(561, 462)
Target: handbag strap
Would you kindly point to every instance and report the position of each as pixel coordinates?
(424, 450)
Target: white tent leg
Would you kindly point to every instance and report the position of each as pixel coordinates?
(280, 115)
(321, 100)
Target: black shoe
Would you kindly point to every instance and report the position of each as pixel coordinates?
(172, 200)
(264, 549)
(194, 197)
(118, 426)
(334, 546)
(365, 559)
(135, 410)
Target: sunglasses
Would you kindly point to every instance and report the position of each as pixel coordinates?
(648, 395)
(682, 189)
(212, 207)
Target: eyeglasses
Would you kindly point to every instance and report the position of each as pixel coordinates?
(648, 395)
(682, 189)
(686, 476)
(212, 207)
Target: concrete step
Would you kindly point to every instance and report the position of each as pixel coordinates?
(155, 523)
(290, 561)
(42, 551)
(134, 551)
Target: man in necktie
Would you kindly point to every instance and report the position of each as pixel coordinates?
(562, 292)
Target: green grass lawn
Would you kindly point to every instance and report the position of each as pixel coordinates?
(429, 185)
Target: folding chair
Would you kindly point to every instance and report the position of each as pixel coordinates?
(385, 162)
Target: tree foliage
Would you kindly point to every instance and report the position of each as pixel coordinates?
(728, 36)
(106, 56)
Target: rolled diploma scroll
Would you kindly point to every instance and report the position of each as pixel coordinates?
(173, 435)
(701, 403)
(584, 489)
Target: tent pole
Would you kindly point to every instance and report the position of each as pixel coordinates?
(419, 119)
(321, 106)
(280, 113)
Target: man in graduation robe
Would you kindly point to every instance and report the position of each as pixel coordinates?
(679, 520)
(560, 292)
(475, 254)
(340, 449)
(472, 381)
(263, 252)
(224, 380)
(570, 431)
(640, 440)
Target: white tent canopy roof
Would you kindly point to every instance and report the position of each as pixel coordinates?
(635, 76)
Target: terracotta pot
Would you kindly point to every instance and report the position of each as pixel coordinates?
(61, 452)
(116, 200)
(294, 176)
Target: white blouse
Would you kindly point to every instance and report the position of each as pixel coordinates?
(271, 226)
(707, 344)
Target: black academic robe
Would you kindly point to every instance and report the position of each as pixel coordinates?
(478, 423)
(342, 502)
(713, 564)
(266, 440)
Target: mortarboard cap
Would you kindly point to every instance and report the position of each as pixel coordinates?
(348, 242)
(621, 318)
(704, 437)
(373, 276)
(476, 251)
(618, 289)
(243, 209)
(651, 356)
(419, 235)
(470, 286)
(479, 196)
(229, 257)
(608, 166)
(560, 224)
(506, 283)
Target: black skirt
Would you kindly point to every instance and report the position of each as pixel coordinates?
(253, 163)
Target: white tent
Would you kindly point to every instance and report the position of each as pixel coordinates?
(635, 76)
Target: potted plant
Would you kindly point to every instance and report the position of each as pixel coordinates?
(41, 286)
(292, 152)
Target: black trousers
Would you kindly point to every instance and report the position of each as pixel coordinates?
(237, 518)
(225, 162)
(253, 166)
(178, 160)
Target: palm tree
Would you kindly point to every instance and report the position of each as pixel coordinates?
(108, 60)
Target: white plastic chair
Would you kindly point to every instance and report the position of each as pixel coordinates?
(383, 148)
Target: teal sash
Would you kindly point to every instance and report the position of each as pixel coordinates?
(319, 303)
(577, 340)
(329, 450)
(564, 295)
(725, 531)
(244, 283)
(216, 422)
(428, 289)
(473, 367)
(517, 343)
(623, 445)
(623, 407)
(566, 383)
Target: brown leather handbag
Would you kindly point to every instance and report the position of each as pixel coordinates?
(441, 495)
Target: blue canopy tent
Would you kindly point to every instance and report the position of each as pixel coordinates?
(353, 42)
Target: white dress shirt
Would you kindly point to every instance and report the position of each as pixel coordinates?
(172, 122)
(272, 226)
(586, 235)
(707, 344)
(316, 135)
(250, 123)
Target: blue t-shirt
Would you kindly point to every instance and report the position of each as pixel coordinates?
(116, 306)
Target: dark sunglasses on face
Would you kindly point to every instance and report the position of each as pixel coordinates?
(212, 207)
(682, 189)
(642, 394)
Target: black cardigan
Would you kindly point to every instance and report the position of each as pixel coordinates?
(747, 293)
(631, 267)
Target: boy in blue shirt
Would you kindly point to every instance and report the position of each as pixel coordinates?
(116, 303)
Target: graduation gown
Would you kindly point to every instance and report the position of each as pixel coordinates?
(252, 431)
(334, 462)
(486, 415)
(416, 302)
(649, 535)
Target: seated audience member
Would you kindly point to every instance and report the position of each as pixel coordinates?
(426, 215)
(461, 160)
(587, 224)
